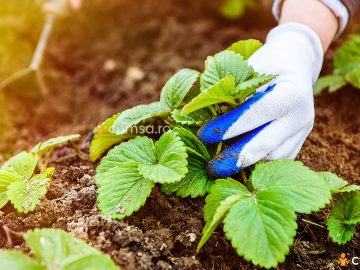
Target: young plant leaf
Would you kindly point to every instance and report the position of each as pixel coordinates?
(345, 215)
(25, 195)
(177, 87)
(223, 64)
(346, 67)
(306, 191)
(23, 164)
(3, 199)
(135, 115)
(123, 190)
(171, 165)
(245, 48)
(196, 182)
(223, 195)
(193, 144)
(57, 249)
(43, 147)
(262, 227)
(16, 260)
(104, 138)
(333, 82)
(250, 86)
(197, 118)
(220, 92)
(139, 150)
(336, 184)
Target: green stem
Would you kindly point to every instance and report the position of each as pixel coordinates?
(243, 176)
(213, 111)
(219, 147)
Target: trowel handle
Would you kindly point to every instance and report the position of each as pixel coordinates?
(45, 33)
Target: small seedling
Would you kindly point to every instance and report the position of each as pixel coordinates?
(346, 67)
(346, 211)
(20, 183)
(54, 249)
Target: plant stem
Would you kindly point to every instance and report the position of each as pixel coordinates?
(312, 223)
(213, 111)
(243, 176)
(219, 147)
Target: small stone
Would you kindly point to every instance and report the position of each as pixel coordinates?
(109, 65)
(192, 237)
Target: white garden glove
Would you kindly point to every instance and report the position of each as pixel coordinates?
(274, 122)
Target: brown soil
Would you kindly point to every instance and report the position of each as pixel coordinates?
(159, 37)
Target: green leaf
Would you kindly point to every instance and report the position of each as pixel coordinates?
(335, 183)
(233, 9)
(347, 58)
(350, 188)
(23, 164)
(262, 227)
(345, 214)
(135, 115)
(59, 250)
(197, 118)
(333, 82)
(223, 195)
(253, 83)
(340, 232)
(196, 182)
(16, 260)
(218, 217)
(25, 195)
(305, 190)
(193, 144)
(354, 78)
(177, 87)
(171, 165)
(104, 138)
(223, 64)
(123, 190)
(139, 149)
(43, 147)
(220, 92)
(3, 199)
(6, 178)
(245, 47)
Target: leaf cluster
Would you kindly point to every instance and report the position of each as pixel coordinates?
(54, 249)
(260, 218)
(19, 182)
(177, 161)
(346, 67)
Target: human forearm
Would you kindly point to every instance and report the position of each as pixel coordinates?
(315, 15)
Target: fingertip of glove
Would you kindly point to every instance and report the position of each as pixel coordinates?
(223, 166)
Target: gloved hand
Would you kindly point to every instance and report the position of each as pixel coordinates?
(275, 121)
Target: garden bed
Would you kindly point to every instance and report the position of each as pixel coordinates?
(159, 38)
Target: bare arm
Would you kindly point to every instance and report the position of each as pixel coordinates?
(314, 14)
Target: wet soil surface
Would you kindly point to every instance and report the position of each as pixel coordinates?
(158, 37)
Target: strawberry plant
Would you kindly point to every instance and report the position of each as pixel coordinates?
(346, 67)
(346, 210)
(259, 216)
(54, 249)
(177, 161)
(259, 213)
(20, 183)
